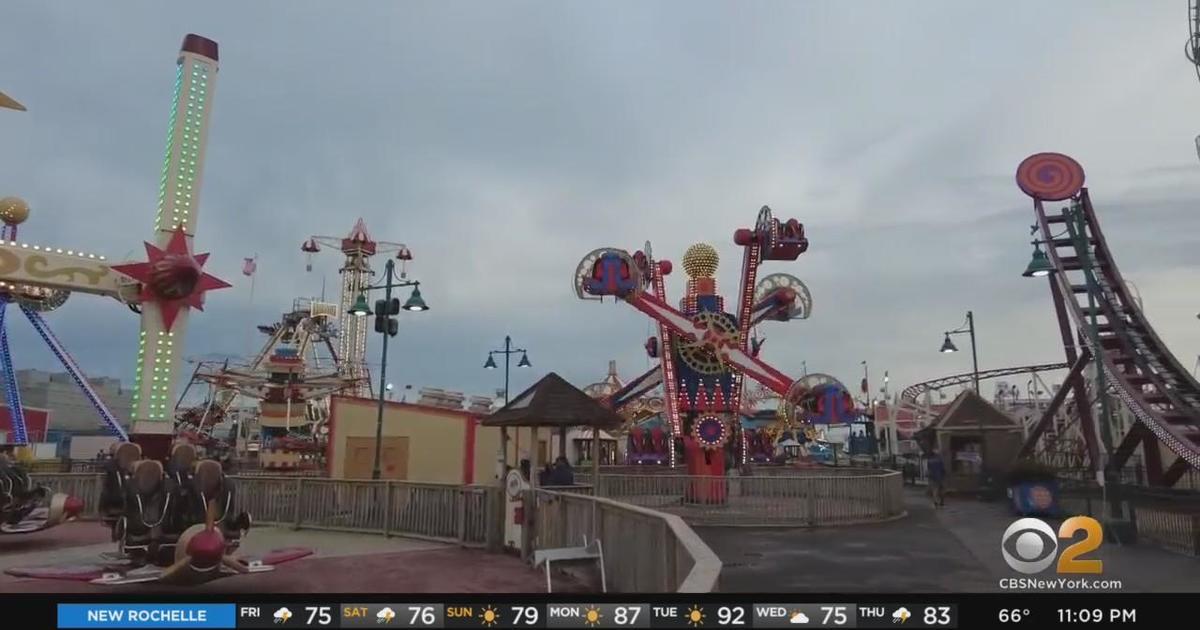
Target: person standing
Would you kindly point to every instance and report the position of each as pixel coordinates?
(936, 469)
(562, 474)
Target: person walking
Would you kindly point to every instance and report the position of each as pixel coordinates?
(936, 469)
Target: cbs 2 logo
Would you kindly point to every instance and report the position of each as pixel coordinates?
(1029, 545)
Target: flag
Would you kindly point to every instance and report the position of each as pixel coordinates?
(250, 266)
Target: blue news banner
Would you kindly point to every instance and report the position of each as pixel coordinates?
(147, 616)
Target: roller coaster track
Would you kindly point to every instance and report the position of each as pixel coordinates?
(910, 393)
(1088, 291)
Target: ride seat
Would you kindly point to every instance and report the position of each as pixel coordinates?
(147, 504)
(178, 487)
(9, 485)
(209, 483)
(116, 477)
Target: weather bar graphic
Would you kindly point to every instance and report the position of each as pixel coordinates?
(683, 615)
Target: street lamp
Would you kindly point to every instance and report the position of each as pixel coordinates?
(360, 308)
(490, 364)
(948, 346)
(1039, 265)
(386, 325)
(415, 302)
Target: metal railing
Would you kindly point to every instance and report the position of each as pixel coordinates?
(1173, 531)
(51, 466)
(645, 551)
(85, 485)
(435, 511)
(795, 497)
(1161, 517)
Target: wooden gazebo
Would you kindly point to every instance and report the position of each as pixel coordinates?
(553, 402)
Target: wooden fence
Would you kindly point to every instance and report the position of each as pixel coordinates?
(795, 497)
(434, 511)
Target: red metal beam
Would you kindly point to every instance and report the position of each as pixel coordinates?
(1087, 422)
(1153, 459)
(1059, 397)
(1133, 438)
(1175, 472)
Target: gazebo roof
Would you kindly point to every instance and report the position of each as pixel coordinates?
(970, 410)
(553, 402)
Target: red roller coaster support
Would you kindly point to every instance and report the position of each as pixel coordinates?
(1092, 299)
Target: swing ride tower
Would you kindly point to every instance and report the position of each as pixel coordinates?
(358, 247)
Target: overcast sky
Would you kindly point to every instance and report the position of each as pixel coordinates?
(502, 141)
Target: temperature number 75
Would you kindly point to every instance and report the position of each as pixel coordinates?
(836, 613)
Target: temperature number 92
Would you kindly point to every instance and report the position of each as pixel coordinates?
(731, 616)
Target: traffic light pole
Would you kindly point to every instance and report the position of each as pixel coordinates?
(385, 323)
(389, 269)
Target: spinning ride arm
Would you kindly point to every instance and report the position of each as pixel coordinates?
(726, 348)
(635, 389)
(173, 281)
(769, 240)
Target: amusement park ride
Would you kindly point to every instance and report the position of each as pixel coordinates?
(1102, 326)
(705, 352)
(172, 523)
(358, 248)
(291, 378)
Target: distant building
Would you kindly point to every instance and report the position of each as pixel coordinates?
(70, 411)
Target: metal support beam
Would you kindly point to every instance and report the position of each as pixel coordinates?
(1074, 350)
(1175, 472)
(1135, 437)
(1043, 423)
(12, 392)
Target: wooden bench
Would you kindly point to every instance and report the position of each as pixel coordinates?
(589, 551)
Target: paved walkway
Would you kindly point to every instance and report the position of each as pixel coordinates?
(955, 549)
(912, 554)
(342, 563)
(1140, 568)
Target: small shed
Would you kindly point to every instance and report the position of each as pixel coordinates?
(972, 436)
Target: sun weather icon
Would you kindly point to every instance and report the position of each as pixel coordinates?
(695, 616)
(489, 616)
(592, 616)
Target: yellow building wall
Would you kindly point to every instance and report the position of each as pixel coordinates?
(436, 437)
(487, 454)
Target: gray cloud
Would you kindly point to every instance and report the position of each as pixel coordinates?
(502, 141)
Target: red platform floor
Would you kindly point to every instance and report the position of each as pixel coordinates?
(428, 568)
